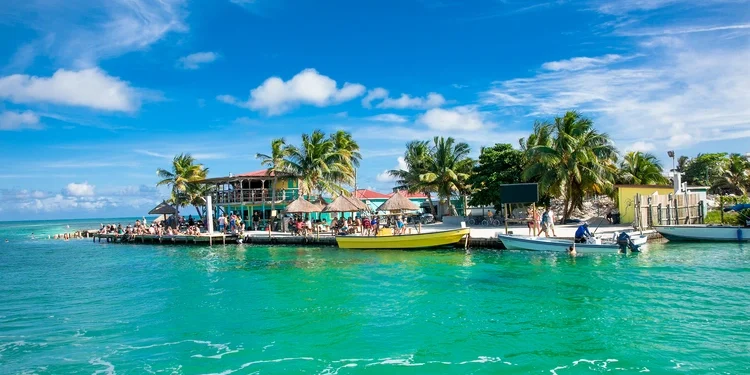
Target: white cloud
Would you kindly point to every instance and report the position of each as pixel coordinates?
(388, 117)
(578, 63)
(432, 100)
(684, 30)
(19, 120)
(111, 200)
(91, 88)
(459, 86)
(464, 118)
(404, 101)
(374, 94)
(675, 95)
(386, 177)
(641, 146)
(195, 60)
(86, 32)
(80, 190)
(276, 96)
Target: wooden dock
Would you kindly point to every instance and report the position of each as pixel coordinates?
(278, 240)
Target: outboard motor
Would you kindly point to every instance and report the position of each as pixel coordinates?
(624, 242)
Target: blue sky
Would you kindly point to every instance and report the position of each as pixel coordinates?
(94, 96)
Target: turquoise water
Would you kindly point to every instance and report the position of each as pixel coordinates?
(81, 307)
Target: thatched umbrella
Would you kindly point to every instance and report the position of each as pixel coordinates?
(163, 208)
(320, 202)
(301, 206)
(361, 205)
(341, 204)
(398, 202)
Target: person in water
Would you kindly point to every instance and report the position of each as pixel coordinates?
(572, 249)
(582, 233)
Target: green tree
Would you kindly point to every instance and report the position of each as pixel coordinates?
(706, 169)
(735, 174)
(574, 160)
(323, 164)
(181, 179)
(347, 152)
(274, 162)
(682, 163)
(410, 179)
(641, 169)
(498, 165)
(448, 168)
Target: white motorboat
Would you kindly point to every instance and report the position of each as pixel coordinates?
(708, 233)
(514, 242)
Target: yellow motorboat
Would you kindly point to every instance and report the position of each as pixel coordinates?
(404, 241)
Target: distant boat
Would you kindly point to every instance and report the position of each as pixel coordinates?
(405, 241)
(706, 233)
(515, 242)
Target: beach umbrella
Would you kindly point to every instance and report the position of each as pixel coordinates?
(361, 205)
(301, 206)
(398, 202)
(163, 208)
(320, 202)
(341, 204)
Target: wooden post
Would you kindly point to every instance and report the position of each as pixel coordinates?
(721, 207)
(676, 211)
(669, 214)
(636, 211)
(658, 214)
(701, 213)
(649, 215)
(505, 209)
(533, 218)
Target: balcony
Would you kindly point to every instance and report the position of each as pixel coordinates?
(253, 196)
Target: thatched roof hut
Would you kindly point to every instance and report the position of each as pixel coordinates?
(341, 204)
(358, 203)
(163, 208)
(301, 206)
(398, 202)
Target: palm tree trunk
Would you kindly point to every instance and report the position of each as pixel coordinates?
(200, 214)
(429, 200)
(566, 202)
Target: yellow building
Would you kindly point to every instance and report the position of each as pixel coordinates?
(626, 198)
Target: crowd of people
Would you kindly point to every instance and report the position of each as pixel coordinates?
(366, 225)
(173, 226)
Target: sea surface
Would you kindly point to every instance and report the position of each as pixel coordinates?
(79, 307)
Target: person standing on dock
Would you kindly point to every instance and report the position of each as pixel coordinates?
(222, 222)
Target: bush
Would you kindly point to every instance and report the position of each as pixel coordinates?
(730, 218)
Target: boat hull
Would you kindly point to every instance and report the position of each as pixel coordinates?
(704, 233)
(406, 241)
(547, 244)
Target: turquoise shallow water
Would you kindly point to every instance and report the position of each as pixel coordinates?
(81, 307)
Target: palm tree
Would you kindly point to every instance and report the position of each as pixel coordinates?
(347, 152)
(736, 174)
(641, 169)
(448, 168)
(275, 164)
(181, 179)
(316, 163)
(574, 160)
(410, 179)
